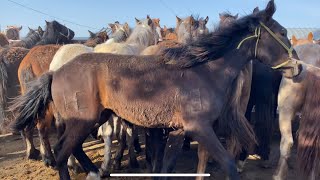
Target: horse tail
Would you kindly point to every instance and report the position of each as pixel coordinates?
(233, 119)
(33, 103)
(308, 154)
(3, 91)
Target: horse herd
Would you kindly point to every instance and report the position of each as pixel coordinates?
(179, 84)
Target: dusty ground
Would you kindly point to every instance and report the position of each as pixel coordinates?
(13, 165)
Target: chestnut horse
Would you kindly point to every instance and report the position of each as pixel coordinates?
(296, 42)
(195, 80)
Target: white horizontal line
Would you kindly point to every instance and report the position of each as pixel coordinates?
(157, 175)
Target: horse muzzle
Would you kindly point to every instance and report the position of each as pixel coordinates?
(292, 68)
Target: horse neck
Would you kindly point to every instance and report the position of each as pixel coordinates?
(141, 38)
(231, 63)
(31, 40)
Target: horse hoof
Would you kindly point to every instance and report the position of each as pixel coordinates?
(104, 173)
(49, 162)
(134, 164)
(93, 176)
(34, 154)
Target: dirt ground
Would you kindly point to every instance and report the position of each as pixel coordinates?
(14, 166)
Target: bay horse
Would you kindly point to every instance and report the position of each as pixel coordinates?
(56, 33)
(300, 95)
(296, 42)
(33, 66)
(195, 80)
(143, 35)
(13, 32)
(33, 36)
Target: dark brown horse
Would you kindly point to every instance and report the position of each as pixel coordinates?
(186, 88)
(56, 33)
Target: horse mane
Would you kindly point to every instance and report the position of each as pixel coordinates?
(308, 151)
(141, 35)
(209, 47)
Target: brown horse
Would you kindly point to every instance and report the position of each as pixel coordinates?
(96, 38)
(195, 83)
(10, 59)
(13, 32)
(35, 64)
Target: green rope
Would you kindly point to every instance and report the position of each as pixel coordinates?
(279, 40)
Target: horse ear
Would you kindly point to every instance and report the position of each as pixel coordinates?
(20, 28)
(92, 35)
(294, 40)
(148, 17)
(40, 30)
(47, 23)
(255, 10)
(236, 16)
(29, 28)
(270, 10)
(206, 20)
(165, 28)
(310, 36)
(178, 20)
(137, 20)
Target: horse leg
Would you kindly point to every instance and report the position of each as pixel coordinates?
(155, 144)
(86, 163)
(285, 118)
(136, 143)
(172, 150)
(205, 136)
(120, 150)
(45, 148)
(73, 165)
(203, 157)
(130, 139)
(27, 135)
(106, 135)
(186, 144)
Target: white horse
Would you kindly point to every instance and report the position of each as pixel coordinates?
(143, 35)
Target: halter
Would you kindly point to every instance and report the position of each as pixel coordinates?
(257, 34)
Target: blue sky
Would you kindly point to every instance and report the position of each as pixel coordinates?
(98, 13)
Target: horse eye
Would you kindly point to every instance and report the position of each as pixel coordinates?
(284, 32)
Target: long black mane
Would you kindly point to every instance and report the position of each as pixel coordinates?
(209, 47)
